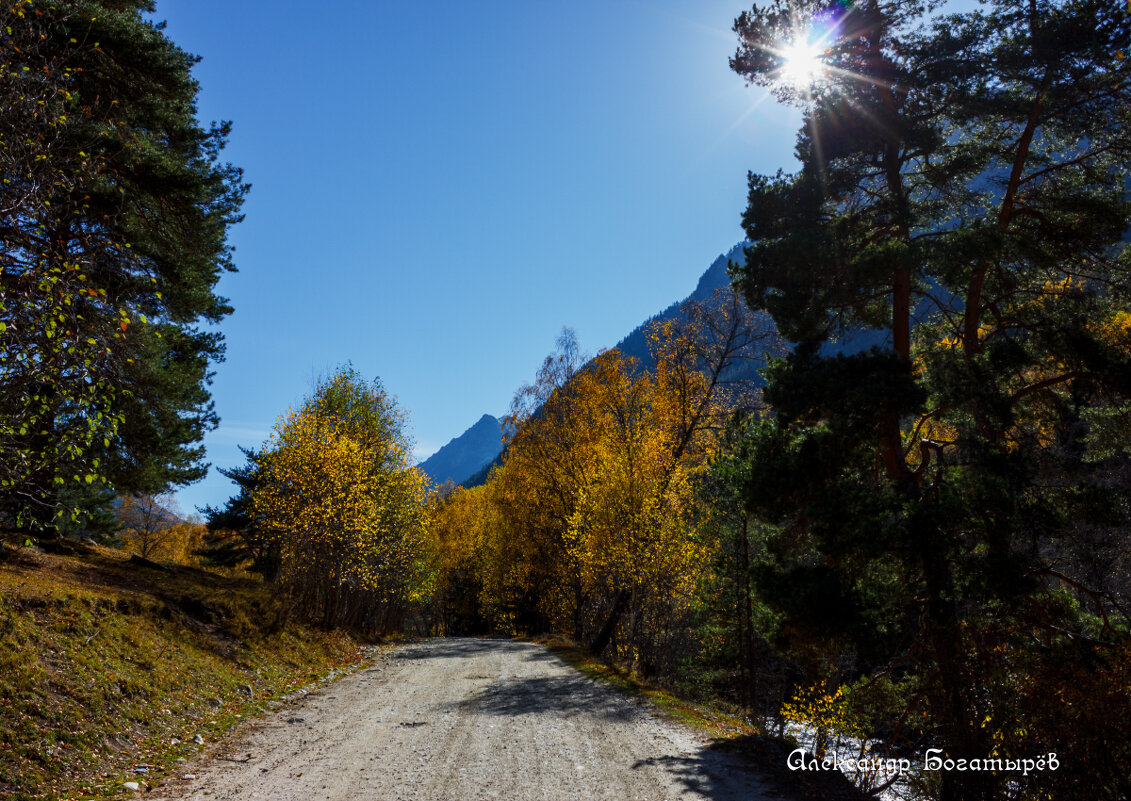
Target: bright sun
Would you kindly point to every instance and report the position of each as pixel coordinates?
(801, 63)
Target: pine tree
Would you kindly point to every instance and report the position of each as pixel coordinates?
(114, 209)
(234, 537)
(962, 195)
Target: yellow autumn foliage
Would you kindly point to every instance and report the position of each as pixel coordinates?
(345, 507)
(586, 527)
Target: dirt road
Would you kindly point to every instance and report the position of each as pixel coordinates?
(463, 719)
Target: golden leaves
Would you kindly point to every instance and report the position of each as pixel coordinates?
(595, 495)
(339, 497)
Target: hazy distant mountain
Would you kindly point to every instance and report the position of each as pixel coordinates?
(145, 510)
(472, 462)
(636, 343)
(465, 454)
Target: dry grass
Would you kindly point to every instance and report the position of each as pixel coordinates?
(107, 667)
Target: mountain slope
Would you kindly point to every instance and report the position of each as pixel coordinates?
(635, 344)
(715, 278)
(465, 454)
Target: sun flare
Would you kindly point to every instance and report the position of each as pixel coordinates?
(801, 63)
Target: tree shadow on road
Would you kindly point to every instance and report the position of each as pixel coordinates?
(458, 647)
(712, 775)
(542, 655)
(752, 768)
(561, 696)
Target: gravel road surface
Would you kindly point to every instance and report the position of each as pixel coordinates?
(465, 719)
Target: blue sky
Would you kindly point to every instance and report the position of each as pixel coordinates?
(438, 188)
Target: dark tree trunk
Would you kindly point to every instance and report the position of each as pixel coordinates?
(620, 603)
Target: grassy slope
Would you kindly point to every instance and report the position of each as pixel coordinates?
(105, 665)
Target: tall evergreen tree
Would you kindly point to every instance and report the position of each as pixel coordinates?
(114, 212)
(961, 191)
(235, 537)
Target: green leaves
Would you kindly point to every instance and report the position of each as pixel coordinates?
(115, 190)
